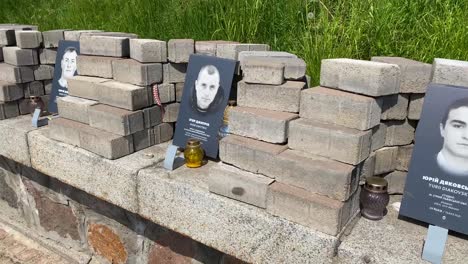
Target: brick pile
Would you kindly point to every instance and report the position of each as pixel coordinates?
(25, 69)
(282, 155)
(110, 109)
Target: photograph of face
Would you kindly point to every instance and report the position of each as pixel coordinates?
(436, 188)
(208, 93)
(453, 157)
(68, 64)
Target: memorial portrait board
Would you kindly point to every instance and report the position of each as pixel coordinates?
(206, 92)
(65, 67)
(436, 188)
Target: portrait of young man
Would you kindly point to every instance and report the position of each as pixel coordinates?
(207, 94)
(436, 189)
(207, 86)
(453, 157)
(68, 64)
(65, 68)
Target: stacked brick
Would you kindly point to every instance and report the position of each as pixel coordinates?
(279, 154)
(110, 109)
(23, 70)
(391, 153)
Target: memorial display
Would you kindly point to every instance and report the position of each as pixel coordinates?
(437, 185)
(204, 98)
(65, 68)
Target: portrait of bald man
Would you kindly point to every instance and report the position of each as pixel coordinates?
(208, 93)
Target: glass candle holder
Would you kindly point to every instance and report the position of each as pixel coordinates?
(193, 154)
(374, 198)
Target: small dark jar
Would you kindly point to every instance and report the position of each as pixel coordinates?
(374, 198)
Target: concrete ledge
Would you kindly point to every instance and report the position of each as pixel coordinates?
(181, 201)
(391, 240)
(110, 180)
(13, 139)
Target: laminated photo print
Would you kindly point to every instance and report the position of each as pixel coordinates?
(206, 93)
(65, 68)
(436, 188)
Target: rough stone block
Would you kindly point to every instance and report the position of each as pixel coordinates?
(224, 223)
(404, 157)
(23, 105)
(179, 50)
(239, 185)
(415, 75)
(98, 66)
(269, 54)
(152, 116)
(47, 56)
(312, 210)
(148, 50)
(35, 88)
(75, 108)
(395, 107)
(294, 68)
(318, 175)
(110, 34)
(385, 160)
(43, 72)
(15, 74)
(174, 72)
(396, 182)
(20, 57)
(399, 133)
(367, 168)
(16, 147)
(379, 134)
(232, 50)
(263, 70)
(47, 86)
(266, 125)
(123, 95)
(115, 120)
(52, 37)
(134, 72)
(451, 72)
(8, 110)
(179, 89)
(209, 47)
(415, 106)
(7, 37)
(100, 142)
(85, 87)
(10, 92)
(166, 92)
(66, 130)
(171, 112)
(113, 181)
(28, 39)
(285, 97)
(74, 35)
(340, 108)
(250, 154)
(104, 45)
(363, 77)
(331, 141)
(151, 136)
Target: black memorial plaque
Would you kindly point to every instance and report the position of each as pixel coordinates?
(65, 67)
(436, 188)
(206, 93)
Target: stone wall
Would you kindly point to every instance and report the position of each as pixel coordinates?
(97, 229)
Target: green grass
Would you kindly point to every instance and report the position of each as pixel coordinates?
(313, 29)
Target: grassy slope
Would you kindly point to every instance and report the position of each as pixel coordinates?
(312, 29)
